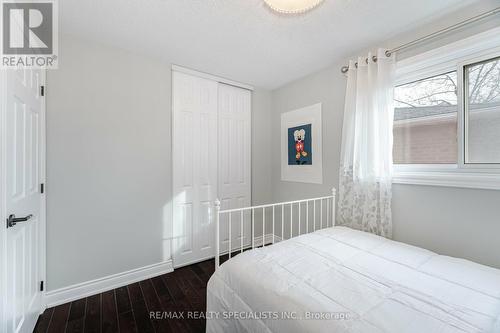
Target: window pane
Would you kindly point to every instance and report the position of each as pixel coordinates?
(483, 112)
(425, 121)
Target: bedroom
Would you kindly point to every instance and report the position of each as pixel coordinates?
(154, 118)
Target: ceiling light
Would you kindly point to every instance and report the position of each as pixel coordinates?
(292, 6)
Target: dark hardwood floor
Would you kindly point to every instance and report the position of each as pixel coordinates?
(127, 309)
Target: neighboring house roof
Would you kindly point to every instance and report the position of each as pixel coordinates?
(420, 112)
(408, 113)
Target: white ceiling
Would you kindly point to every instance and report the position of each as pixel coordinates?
(242, 39)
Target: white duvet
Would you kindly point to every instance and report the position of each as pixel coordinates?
(353, 282)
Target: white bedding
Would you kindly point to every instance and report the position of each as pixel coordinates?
(361, 282)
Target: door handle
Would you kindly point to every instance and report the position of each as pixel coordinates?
(13, 220)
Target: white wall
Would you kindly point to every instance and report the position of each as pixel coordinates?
(451, 221)
(109, 162)
(261, 138)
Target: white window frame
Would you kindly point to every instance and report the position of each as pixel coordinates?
(451, 57)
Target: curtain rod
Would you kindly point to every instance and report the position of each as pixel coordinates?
(476, 18)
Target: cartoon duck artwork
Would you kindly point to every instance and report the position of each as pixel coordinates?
(300, 136)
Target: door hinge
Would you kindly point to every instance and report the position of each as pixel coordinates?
(42, 188)
(41, 285)
(42, 90)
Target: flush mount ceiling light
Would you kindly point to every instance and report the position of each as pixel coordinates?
(292, 6)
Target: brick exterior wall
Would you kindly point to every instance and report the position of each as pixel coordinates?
(435, 141)
(422, 143)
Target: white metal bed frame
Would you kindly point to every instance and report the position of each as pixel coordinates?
(330, 208)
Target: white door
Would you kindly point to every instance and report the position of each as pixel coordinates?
(235, 149)
(22, 158)
(194, 137)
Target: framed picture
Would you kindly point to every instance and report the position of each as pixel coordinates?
(301, 154)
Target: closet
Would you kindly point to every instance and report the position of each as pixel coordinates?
(211, 155)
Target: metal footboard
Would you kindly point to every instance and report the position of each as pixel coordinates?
(294, 218)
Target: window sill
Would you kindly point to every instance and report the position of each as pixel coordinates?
(448, 177)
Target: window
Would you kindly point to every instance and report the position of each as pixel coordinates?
(482, 111)
(447, 115)
(425, 121)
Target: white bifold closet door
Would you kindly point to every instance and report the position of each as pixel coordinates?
(235, 153)
(211, 153)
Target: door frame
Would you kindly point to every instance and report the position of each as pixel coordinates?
(3, 212)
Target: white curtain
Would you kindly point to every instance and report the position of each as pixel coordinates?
(365, 187)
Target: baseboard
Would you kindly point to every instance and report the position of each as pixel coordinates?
(257, 242)
(93, 287)
(236, 247)
(89, 288)
(268, 240)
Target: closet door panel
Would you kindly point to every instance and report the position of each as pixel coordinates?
(184, 189)
(194, 150)
(235, 162)
(207, 168)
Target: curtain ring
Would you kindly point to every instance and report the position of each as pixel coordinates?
(374, 59)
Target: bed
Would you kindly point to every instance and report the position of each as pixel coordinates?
(351, 281)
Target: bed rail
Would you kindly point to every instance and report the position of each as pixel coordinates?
(310, 215)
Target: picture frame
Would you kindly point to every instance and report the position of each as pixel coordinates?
(301, 145)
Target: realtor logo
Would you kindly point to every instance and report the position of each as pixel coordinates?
(29, 34)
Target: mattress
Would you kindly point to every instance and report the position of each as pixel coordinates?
(342, 280)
